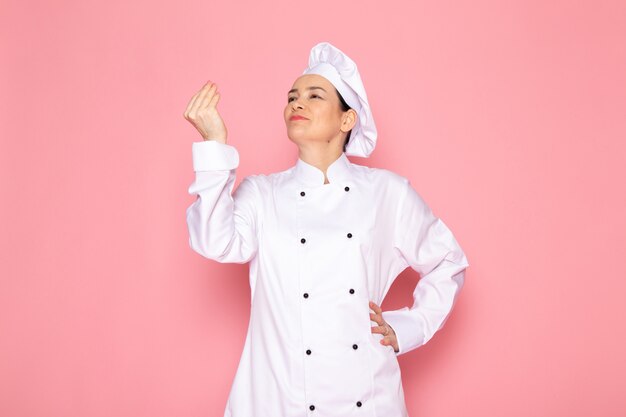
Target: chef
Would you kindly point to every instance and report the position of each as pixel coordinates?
(325, 240)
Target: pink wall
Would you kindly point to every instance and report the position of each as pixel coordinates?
(508, 117)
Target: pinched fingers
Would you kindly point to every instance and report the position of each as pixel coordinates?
(192, 103)
(205, 96)
(210, 97)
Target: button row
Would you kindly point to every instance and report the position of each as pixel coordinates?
(303, 240)
(306, 294)
(358, 404)
(354, 346)
(302, 193)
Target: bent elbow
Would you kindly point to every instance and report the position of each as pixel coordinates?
(234, 251)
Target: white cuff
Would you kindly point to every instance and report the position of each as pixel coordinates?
(211, 155)
(408, 327)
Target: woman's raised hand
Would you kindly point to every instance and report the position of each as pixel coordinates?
(203, 115)
(390, 338)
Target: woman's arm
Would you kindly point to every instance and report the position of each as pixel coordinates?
(428, 246)
(222, 225)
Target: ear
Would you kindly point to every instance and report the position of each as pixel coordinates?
(349, 120)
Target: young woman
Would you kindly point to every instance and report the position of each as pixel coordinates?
(325, 240)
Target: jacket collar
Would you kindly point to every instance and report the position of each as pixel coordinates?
(339, 169)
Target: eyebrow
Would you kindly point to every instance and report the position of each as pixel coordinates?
(293, 90)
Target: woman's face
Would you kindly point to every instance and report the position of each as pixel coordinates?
(315, 98)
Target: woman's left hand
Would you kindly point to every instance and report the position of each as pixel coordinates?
(383, 328)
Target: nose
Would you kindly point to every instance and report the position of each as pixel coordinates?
(295, 104)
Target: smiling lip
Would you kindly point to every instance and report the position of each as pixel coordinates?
(298, 118)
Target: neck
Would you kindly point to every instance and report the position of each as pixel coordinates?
(320, 157)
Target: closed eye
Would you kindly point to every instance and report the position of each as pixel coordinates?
(312, 95)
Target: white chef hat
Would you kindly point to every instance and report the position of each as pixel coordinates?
(331, 63)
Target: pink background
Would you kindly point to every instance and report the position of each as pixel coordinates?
(509, 117)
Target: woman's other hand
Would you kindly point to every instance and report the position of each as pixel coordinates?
(203, 115)
(383, 328)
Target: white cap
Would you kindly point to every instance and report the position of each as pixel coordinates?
(329, 62)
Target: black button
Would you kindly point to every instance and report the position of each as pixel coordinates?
(306, 295)
(308, 351)
(349, 234)
(358, 403)
(351, 291)
(311, 407)
(347, 188)
(302, 240)
(302, 193)
(355, 346)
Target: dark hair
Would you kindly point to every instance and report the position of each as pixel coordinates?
(344, 108)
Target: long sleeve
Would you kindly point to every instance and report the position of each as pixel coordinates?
(222, 225)
(426, 245)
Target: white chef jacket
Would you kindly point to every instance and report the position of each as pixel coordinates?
(318, 254)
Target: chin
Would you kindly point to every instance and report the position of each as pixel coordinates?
(296, 138)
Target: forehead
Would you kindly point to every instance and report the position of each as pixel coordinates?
(308, 80)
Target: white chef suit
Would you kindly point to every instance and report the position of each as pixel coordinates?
(318, 254)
